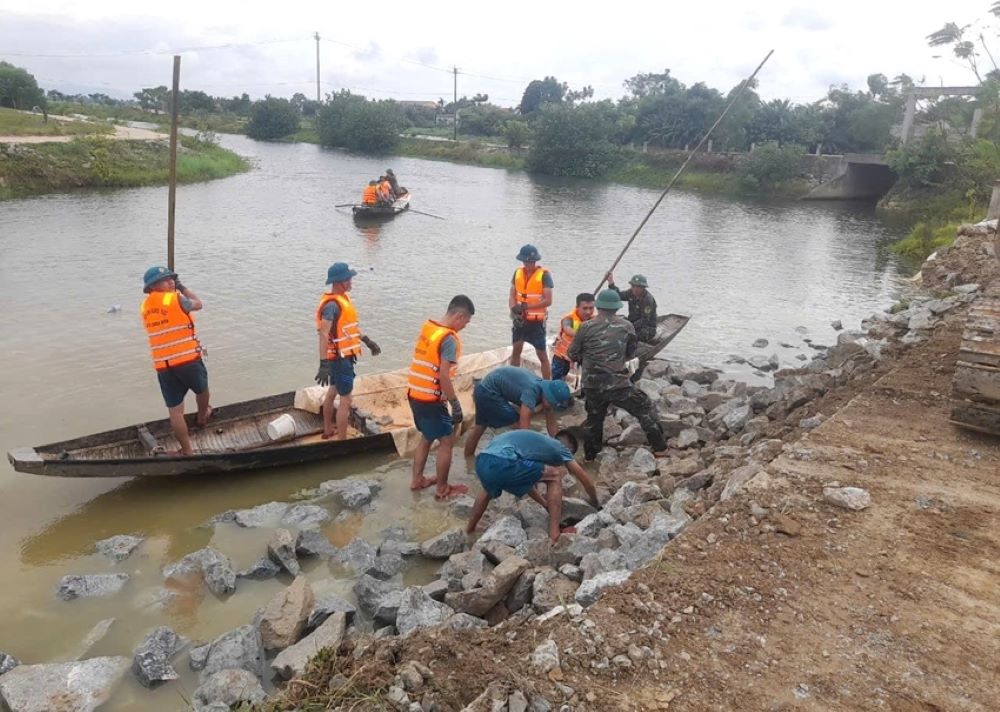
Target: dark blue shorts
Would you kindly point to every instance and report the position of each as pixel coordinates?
(433, 420)
(560, 368)
(342, 375)
(501, 474)
(493, 411)
(175, 382)
(531, 331)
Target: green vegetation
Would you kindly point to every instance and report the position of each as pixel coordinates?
(769, 168)
(97, 161)
(574, 141)
(18, 88)
(20, 123)
(272, 118)
(351, 121)
(925, 239)
(470, 152)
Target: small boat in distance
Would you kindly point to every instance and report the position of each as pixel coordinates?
(381, 212)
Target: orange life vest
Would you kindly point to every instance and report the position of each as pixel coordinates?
(529, 292)
(370, 195)
(386, 189)
(562, 341)
(345, 336)
(424, 380)
(172, 337)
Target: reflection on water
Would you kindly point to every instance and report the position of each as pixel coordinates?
(256, 248)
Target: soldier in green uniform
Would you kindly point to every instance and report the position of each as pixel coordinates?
(641, 305)
(603, 345)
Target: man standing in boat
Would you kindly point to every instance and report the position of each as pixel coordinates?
(166, 314)
(603, 345)
(340, 340)
(641, 305)
(510, 396)
(393, 183)
(568, 326)
(529, 299)
(431, 391)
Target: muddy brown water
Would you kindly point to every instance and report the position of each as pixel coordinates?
(256, 247)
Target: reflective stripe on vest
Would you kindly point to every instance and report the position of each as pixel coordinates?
(172, 337)
(345, 335)
(561, 347)
(369, 196)
(424, 380)
(529, 292)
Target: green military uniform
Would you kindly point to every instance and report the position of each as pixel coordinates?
(641, 310)
(603, 345)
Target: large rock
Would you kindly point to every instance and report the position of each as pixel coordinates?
(260, 570)
(62, 687)
(465, 570)
(211, 565)
(680, 372)
(737, 418)
(643, 462)
(650, 542)
(286, 614)
(463, 621)
(379, 599)
(519, 595)
(151, 660)
(686, 438)
(281, 550)
(852, 498)
(226, 688)
(90, 586)
(444, 545)
(263, 515)
(418, 610)
(358, 554)
(305, 516)
(326, 605)
(506, 530)
(7, 662)
(237, 649)
(737, 478)
(386, 566)
(495, 588)
(590, 590)
(632, 435)
(532, 514)
(118, 548)
(292, 661)
(550, 589)
(630, 494)
(601, 562)
(351, 494)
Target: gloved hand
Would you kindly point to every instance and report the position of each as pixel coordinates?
(178, 286)
(457, 416)
(372, 346)
(518, 309)
(323, 374)
(517, 315)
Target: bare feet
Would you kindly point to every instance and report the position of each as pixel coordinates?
(422, 483)
(203, 421)
(450, 491)
(328, 435)
(568, 530)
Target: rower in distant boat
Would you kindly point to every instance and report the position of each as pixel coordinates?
(386, 196)
(397, 190)
(370, 194)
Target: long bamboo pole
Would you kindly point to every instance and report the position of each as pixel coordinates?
(175, 101)
(739, 92)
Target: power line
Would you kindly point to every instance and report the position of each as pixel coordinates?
(150, 52)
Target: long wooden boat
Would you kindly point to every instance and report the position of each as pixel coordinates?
(667, 327)
(381, 212)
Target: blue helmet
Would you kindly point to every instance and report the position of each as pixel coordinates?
(154, 275)
(528, 253)
(339, 272)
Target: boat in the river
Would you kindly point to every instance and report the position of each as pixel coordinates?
(667, 327)
(381, 212)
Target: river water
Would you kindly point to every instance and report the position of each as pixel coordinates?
(255, 247)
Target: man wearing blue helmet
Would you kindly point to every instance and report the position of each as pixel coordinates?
(529, 301)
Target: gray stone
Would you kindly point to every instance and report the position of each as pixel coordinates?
(494, 589)
(79, 686)
(286, 614)
(351, 494)
(118, 548)
(358, 555)
(325, 605)
(760, 343)
(531, 514)
(292, 661)
(837, 325)
(680, 372)
(418, 610)
(463, 621)
(650, 388)
(151, 660)
(444, 545)
(93, 637)
(461, 506)
(496, 551)
(379, 599)
(767, 450)
(574, 509)
(691, 389)
(550, 589)
(506, 530)
(685, 439)
(312, 542)
(537, 550)
(735, 419)
(572, 572)
(90, 586)
(385, 566)
(545, 657)
(237, 649)
(591, 589)
(263, 515)
(920, 319)
(436, 589)
(215, 569)
(260, 570)
(226, 688)
(199, 656)
(651, 542)
(281, 550)
(630, 494)
(737, 478)
(965, 288)
(517, 702)
(632, 435)
(519, 595)
(465, 569)
(305, 516)
(601, 562)
(810, 423)
(402, 548)
(590, 526)
(852, 498)
(7, 662)
(643, 462)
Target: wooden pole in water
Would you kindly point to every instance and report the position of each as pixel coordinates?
(175, 102)
(739, 92)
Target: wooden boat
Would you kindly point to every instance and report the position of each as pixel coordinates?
(236, 437)
(381, 212)
(667, 327)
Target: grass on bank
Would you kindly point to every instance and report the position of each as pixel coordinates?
(23, 123)
(31, 169)
(924, 239)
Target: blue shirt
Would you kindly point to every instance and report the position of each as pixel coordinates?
(515, 385)
(529, 445)
(449, 349)
(331, 311)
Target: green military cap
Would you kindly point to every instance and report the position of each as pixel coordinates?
(608, 299)
(638, 280)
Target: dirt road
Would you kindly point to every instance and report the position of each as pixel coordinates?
(122, 133)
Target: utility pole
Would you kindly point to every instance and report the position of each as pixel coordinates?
(455, 103)
(175, 107)
(316, 35)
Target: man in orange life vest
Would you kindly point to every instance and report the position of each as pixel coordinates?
(340, 340)
(166, 314)
(434, 365)
(568, 326)
(370, 194)
(529, 300)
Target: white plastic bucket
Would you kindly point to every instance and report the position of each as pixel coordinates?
(281, 427)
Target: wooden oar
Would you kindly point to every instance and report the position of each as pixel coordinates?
(436, 217)
(345, 205)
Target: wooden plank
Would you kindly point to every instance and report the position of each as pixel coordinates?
(977, 381)
(976, 416)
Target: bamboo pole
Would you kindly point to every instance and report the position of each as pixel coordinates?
(175, 101)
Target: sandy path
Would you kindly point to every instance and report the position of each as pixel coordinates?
(122, 133)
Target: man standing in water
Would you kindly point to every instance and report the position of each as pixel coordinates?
(603, 345)
(166, 314)
(529, 299)
(340, 340)
(430, 387)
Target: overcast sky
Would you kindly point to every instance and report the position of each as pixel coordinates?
(118, 46)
